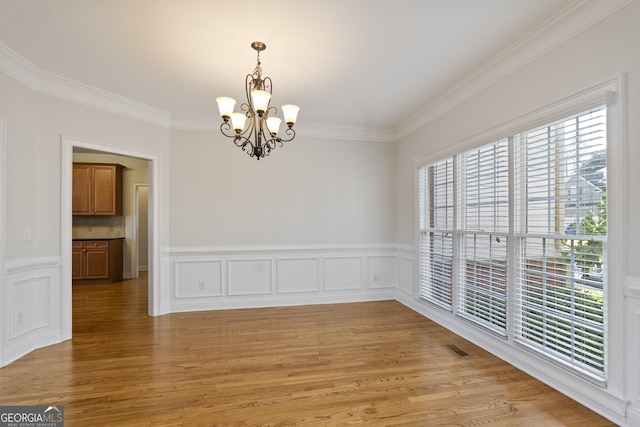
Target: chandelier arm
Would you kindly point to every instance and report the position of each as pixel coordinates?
(290, 132)
(238, 139)
(267, 84)
(248, 86)
(224, 128)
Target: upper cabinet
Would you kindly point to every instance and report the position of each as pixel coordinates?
(97, 189)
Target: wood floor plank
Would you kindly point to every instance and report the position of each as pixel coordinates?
(375, 363)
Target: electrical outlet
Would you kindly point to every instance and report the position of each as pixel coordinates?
(201, 285)
(374, 278)
(26, 235)
(19, 318)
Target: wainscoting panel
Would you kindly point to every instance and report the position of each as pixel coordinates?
(29, 308)
(343, 273)
(632, 350)
(250, 276)
(382, 271)
(245, 277)
(406, 270)
(33, 306)
(298, 275)
(198, 278)
(405, 275)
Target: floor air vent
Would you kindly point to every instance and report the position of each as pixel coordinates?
(457, 350)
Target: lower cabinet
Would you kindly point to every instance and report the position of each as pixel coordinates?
(96, 261)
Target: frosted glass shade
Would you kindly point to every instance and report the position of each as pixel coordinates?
(290, 113)
(260, 100)
(238, 120)
(225, 105)
(273, 124)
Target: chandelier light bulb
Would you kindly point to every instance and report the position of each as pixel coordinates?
(290, 113)
(273, 124)
(225, 105)
(237, 121)
(260, 100)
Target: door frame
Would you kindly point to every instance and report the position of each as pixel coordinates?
(3, 291)
(135, 230)
(68, 145)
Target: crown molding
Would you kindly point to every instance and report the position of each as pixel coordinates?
(566, 24)
(572, 20)
(17, 67)
(14, 65)
(209, 122)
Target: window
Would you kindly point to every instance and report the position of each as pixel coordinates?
(561, 189)
(436, 232)
(483, 231)
(520, 226)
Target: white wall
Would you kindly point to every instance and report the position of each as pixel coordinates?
(596, 54)
(36, 298)
(19, 105)
(311, 223)
(308, 192)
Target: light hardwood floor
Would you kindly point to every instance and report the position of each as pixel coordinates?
(376, 363)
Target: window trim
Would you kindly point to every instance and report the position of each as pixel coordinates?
(612, 92)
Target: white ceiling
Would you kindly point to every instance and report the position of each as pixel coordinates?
(356, 63)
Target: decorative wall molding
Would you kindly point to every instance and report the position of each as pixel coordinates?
(632, 348)
(26, 265)
(293, 250)
(3, 228)
(632, 287)
(406, 255)
(574, 19)
(32, 317)
(200, 278)
(29, 307)
(210, 278)
(41, 81)
(299, 275)
(211, 122)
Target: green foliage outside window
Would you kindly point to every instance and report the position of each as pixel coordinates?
(587, 254)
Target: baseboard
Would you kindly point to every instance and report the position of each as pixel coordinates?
(575, 387)
(280, 301)
(25, 346)
(633, 415)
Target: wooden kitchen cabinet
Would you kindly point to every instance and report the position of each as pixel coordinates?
(96, 261)
(97, 189)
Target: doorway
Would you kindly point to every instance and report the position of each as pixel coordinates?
(141, 233)
(69, 145)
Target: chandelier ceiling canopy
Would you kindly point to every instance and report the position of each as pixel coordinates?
(256, 127)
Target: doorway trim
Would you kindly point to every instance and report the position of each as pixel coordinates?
(135, 263)
(3, 292)
(68, 144)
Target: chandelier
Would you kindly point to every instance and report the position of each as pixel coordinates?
(259, 136)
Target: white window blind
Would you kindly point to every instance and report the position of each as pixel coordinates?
(436, 200)
(561, 233)
(519, 227)
(483, 186)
